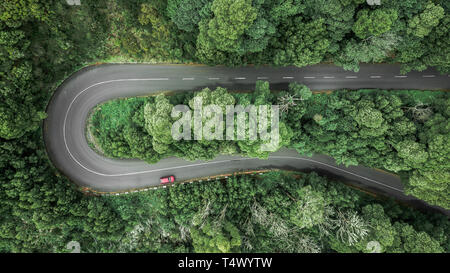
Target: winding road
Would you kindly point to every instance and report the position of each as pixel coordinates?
(64, 129)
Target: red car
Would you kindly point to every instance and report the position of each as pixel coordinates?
(168, 179)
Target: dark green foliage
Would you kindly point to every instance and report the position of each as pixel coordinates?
(41, 211)
(150, 119)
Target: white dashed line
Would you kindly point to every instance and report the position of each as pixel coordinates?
(375, 77)
(351, 77)
(262, 78)
(309, 77)
(213, 78)
(288, 77)
(328, 77)
(188, 79)
(400, 76)
(428, 76)
(240, 78)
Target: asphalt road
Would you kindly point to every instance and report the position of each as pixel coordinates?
(64, 129)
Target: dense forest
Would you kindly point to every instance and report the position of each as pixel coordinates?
(274, 212)
(405, 132)
(44, 41)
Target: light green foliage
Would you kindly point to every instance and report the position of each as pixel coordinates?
(422, 24)
(211, 239)
(411, 241)
(374, 23)
(380, 226)
(231, 19)
(307, 43)
(219, 97)
(413, 153)
(372, 129)
(186, 14)
(300, 90)
(15, 12)
(309, 210)
(369, 117)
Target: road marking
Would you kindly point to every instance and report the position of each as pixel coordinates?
(375, 77)
(213, 78)
(309, 77)
(262, 78)
(429, 76)
(288, 77)
(184, 166)
(400, 76)
(188, 79)
(328, 77)
(240, 78)
(351, 77)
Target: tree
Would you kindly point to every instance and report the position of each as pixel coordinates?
(371, 49)
(381, 229)
(231, 20)
(300, 90)
(421, 25)
(158, 123)
(281, 9)
(297, 93)
(411, 241)
(309, 210)
(186, 14)
(370, 121)
(413, 153)
(374, 23)
(216, 239)
(350, 227)
(15, 120)
(16, 12)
